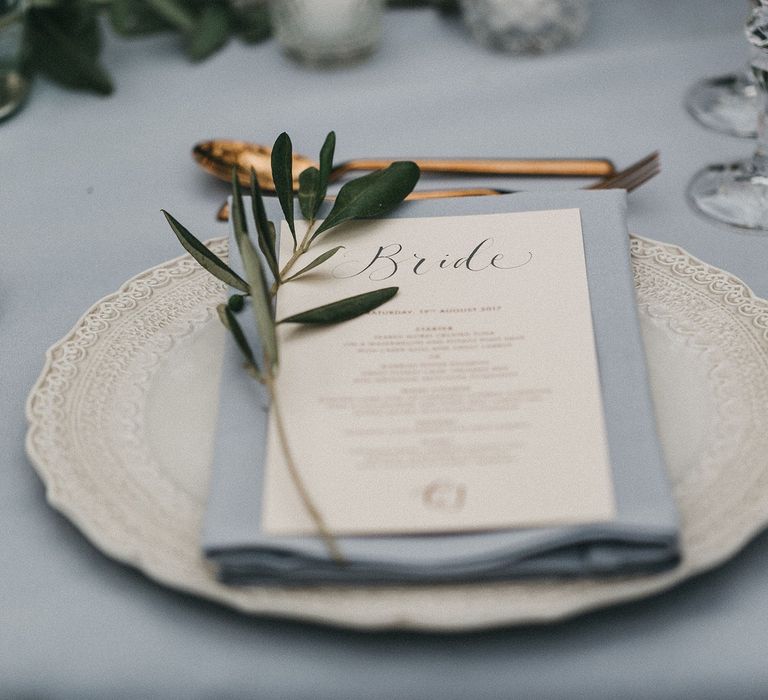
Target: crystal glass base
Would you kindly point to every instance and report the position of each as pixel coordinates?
(734, 194)
(728, 104)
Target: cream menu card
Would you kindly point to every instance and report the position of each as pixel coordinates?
(470, 401)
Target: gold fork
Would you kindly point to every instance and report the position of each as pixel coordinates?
(630, 178)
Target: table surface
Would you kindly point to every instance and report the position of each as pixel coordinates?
(83, 181)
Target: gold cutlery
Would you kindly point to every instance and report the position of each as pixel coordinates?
(220, 155)
(629, 178)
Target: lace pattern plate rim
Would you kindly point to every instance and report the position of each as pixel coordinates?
(87, 410)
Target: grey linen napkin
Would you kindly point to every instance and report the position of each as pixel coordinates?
(642, 538)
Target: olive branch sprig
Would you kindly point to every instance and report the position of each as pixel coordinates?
(366, 197)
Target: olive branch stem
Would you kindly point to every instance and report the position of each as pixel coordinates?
(314, 513)
(369, 196)
(300, 250)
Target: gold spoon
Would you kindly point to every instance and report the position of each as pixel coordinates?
(219, 155)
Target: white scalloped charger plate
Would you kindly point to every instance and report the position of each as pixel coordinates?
(121, 418)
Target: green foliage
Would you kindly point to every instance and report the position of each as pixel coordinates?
(343, 310)
(282, 176)
(319, 260)
(209, 33)
(371, 195)
(309, 192)
(134, 18)
(236, 302)
(326, 166)
(313, 183)
(447, 7)
(230, 322)
(368, 196)
(261, 300)
(63, 37)
(254, 25)
(264, 228)
(176, 13)
(261, 303)
(64, 42)
(205, 258)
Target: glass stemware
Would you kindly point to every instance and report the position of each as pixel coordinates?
(737, 193)
(729, 103)
(726, 103)
(14, 85)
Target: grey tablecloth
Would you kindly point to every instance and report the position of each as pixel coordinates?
(83, 179)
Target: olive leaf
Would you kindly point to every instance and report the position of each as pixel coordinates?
(309, 186)
(345, 309)
(313, 183)
(252, 21)
(326, 165)
(282, 175)
(319, 260)
(239, 223)
(264, 228)
(214, 264)
(372, 195)
(130, 18)
(261, 300)
(174, 12)
(233, 326)
(209, 33)
(64, 43)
